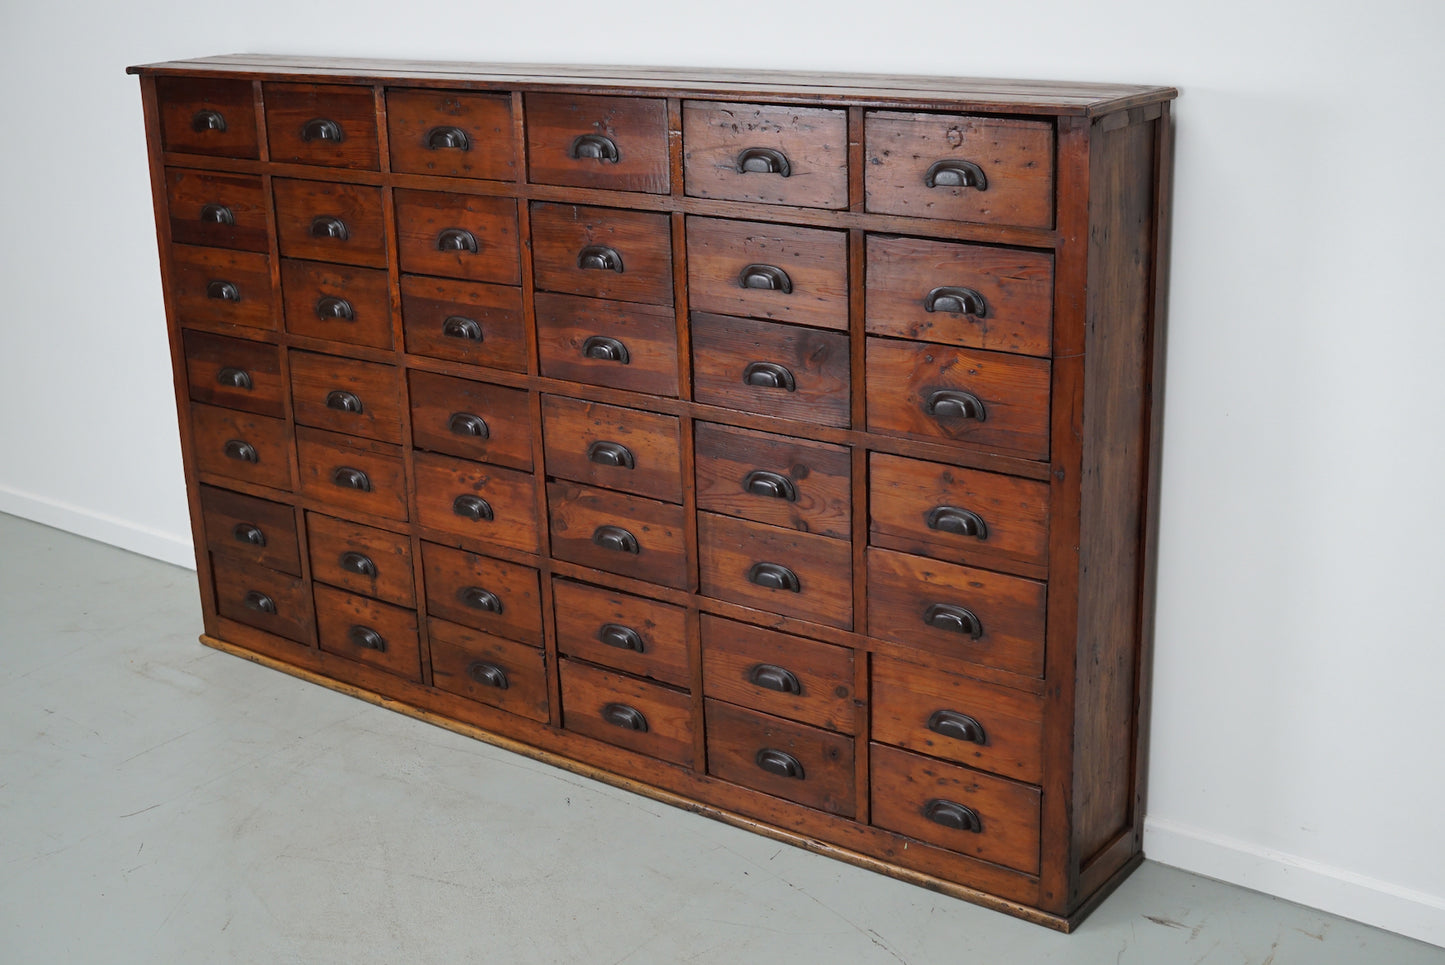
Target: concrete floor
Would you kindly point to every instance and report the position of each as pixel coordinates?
(161, 802)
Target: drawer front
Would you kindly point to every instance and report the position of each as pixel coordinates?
(451, 134)
(216, 117)
(779, 570)
(474, 420)
(368, 631)
(329, 124)
(642, 717)
(476, 501)
(361, 559)
(234, 372)
(994, 170)
(625, 632)
(972, 295)
(602, 253)
(768, 271)
(618, 143)
(956, 808)
(351, 473)
(937, 391)
(957, 514)
(490, 670)
(975, 615)
(464, 322)
(794, 761)
(251, 530)
(616, 344)
(330, 222)
(616, 448)
(766, 153)
(347, 305)
(278, 603)
(774, 479)
(458, 235)
(778, 673)
(240, 445)
(492, 595)
(213, 286)
(217, 210)
(927, 708)
(629, 535)
(771, 369)
(346, 395)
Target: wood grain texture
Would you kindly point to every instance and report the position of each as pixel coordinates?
(435, 314)
(231, 520)
(342, 619)
(235, 373)
(328, 461)
(816, 361)
(638, 245)
(243, 298)
(389, 577)
(812, 141)
(817, 496)
(636, 130)
(427, 220)
(508, 494)
(730, 549)
(216, 209)
(485, 121)
(821, 762)
(303, 206)
(739, 664)
(628, 450)
(454, 578)
(724, 256)
(242, 446)
(585, 613)
(181, 99)
(647, 333)
(462, 662)
(263, 598)
(588, 693)
(579, 514)
(326, 391)
(438, 400)
(311, 291)
(293, 110)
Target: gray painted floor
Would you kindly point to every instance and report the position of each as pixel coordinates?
(161, 802)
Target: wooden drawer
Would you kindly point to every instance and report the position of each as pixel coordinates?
(766, 153)
(930, 708)
(215, 209)
(640, 636)
(936, 391)
(278, 603)
(956, 808)
(216, 117)
(369, 631)
(351, 473)
(492, 595)
(781, 570)
(464, 322)
(234, 372)
(451, 133)
(778, 673)
(777, 272)
(617, 143)
(774, 479)
(347, 305)
(972, 295)
(779, 757)
(330, 222)
(251, 530)
(213, 286)
(616, 344)
(474, 420)
(616, 448)
(975, 615)
(346, 395)
(240, 445)
(476, 501)
(771, 369)
(602, 252)
(641, 538)
(361, 559)
(490, 670)
(995, 170)
(458, 235)
(330, 124)
(956, 514)
(642, 717)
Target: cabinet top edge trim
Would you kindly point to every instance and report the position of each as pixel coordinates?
(986, 95)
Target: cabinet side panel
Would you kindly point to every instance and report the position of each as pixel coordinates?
(1116, 396)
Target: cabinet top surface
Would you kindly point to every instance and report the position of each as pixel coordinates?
(975, 94)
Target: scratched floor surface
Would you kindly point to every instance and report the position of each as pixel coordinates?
(161, 802)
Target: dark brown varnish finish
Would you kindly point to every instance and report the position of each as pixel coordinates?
(897, 338)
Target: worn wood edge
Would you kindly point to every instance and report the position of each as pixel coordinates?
(940, 886)
(1104, 891)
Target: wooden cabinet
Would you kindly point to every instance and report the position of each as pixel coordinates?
(782, 445)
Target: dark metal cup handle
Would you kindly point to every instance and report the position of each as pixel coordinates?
(480, 599)
(447, 138)
(241, 451)
(203, 121)
(466, 424)
(457, 239)
(611, 454)
(953, 815)
(217, 214)
(235, 378)
(779, 762)
(761, 482)
(770, 375)
(616, 538)
(623, 638)
(952, 404)
(248, 533)
(773, 677)
(349, 478)
(628, 718)
(343, 401)
(459, 326)
(330, 227)
(953, 619)
(956, 301)
(605, 349)
(259, 602)
(472, 507)
(594, 147)
(774, 576)
(329, 308)
(952, 173)
(487, 674)
(961, 727)
(766, 278)
(322, 129)
(358, 563)
(959, 522)
(367, 639)
(599, 258)
(763, 160)
(223, 291)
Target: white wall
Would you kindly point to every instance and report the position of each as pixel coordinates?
(1297, 728)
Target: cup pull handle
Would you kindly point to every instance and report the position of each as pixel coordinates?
(952, 404)
(770, 375)
(217, 214)
(959, 522)
(611, 454)
(779, 762)
(472, 507)
(329, 227)
(761, 482)
(774, 576)
(605, 349)
(331, 308)
(956, 301)
(223, 291)
(616, 538)
(953, 619)
(457, 239)
(763, 160)
(628, 718)
(773, 677)
(950, 723)
(358, 563)
(367, 639)
(241, 451)
(447, 139)
(343, 401)
(766, 278)
(599, 258)
(349, 478)
(466, 424)
(594, 147)
(249, 533)
(623, 638)
(259, 602)
(322, 129)
(458, 326)
(953, 173)
(235, 378)
(487, 674)
(203, 121)
(953, 815)
(480, 599)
